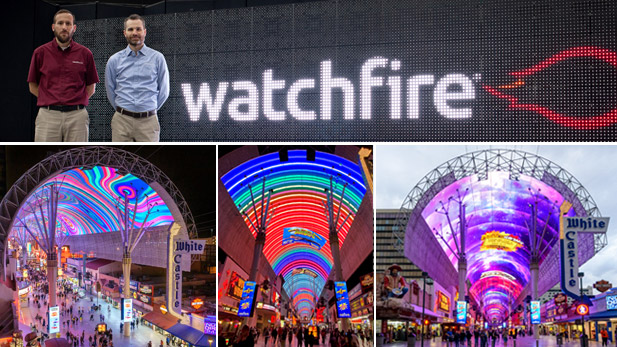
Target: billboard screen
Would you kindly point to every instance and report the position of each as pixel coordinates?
(535, 312)
(302, 235)
(54, 320)
(248, 298)
(127, 310)
(611, 302)
(342, 300)
(379, 71)
(461, 312)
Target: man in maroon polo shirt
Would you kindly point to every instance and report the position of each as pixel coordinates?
(63, 77)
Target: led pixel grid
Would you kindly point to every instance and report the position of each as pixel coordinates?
(498, 242)
(87, 202)
(297, 202)
(380, 70)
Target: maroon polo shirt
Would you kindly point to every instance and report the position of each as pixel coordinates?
(62, 75)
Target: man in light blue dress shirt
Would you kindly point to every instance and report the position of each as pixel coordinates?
(137, 83)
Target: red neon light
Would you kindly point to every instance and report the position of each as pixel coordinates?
(586, 123)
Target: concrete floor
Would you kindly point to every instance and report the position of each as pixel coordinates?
(140, 336)
(528, 341)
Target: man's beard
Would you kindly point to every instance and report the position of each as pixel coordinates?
(130, 41)
(69, 37)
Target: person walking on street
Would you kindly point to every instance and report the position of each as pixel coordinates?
(604, 335)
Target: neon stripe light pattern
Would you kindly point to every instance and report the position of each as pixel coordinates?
(87, 201)
(298, 193)
(498, 209)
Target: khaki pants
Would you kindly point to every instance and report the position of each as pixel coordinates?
(128, 129)
(56, 126)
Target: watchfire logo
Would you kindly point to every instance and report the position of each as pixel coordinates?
(447, 90)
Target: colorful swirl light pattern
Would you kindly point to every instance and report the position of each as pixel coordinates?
(87, 201)
(297, 201)
(496, 204)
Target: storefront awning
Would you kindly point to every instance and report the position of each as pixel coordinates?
(603, 315)
(163, 321)
(190, 335)
(59, 342)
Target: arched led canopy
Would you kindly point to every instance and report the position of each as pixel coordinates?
(498, 242)
(498, 188)
(297, 236)
(88, 198)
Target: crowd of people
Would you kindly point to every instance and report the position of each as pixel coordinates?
(298, 337)
(74, 314)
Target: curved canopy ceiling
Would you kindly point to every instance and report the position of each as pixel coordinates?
(498, 243)
(297, 244)
(87, 202)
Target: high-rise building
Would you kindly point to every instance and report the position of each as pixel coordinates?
(386, 254)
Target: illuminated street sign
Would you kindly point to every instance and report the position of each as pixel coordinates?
(570, 227)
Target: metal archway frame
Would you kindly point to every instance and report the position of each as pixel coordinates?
(480, 163)
(123, 161)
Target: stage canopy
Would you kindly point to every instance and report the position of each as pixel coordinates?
(297, 244)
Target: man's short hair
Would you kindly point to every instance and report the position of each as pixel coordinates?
(64, 11)
(135, 17)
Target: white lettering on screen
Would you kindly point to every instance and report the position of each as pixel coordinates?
(377, 73)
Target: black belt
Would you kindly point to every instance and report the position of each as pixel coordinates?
(136, 114)
(64, 108)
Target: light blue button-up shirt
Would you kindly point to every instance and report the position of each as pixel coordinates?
(137, 83)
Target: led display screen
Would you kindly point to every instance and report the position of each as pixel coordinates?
(210, 325)
(127, 310)
(54, 320)
(535, 312)
(611, 302)
(88, 198)
(248, 298)
(379, 70)
(461, 312)
(291, 235)
(297, 197)
(342, 300)
(498, 242)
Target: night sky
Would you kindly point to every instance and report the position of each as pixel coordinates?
(191, 168)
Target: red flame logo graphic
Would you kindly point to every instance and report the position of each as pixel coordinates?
(581, 123)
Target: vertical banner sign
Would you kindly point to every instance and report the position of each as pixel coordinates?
(181, 247)
(535, 312)
(461, 312)
(570, 227)
(342, 300)
(248, 299)
(54, 320)
(127, 310)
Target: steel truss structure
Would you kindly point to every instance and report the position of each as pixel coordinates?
(515, 163)
(88, 157)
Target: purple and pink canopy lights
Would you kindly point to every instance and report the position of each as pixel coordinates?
(87, 201)
(498, 239)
